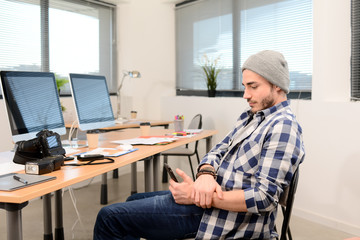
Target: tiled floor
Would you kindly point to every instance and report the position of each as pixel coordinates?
(87, 204)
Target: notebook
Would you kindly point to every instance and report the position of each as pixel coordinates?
(8, 183)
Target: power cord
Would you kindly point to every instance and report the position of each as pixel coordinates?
(71, 132)
(78, 220)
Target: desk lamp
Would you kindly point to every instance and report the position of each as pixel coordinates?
(131, 74)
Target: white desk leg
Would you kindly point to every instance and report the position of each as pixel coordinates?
(47, 217)
(148, 165)
(59, 229)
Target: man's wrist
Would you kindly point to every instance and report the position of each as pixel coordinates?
(208, 170)
(207, 167)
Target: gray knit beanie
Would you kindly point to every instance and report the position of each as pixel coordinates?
(272, 66)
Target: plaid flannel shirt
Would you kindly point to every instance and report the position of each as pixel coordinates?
(262, 163)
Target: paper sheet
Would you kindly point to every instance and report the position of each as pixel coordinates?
(105, 152)
(146, 140)
(7, 165)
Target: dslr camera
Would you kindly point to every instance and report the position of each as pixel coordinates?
(42, 154)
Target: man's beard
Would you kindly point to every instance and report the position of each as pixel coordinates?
(267, 102)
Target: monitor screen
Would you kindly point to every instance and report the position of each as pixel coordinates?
(32, 103)
(92, 101)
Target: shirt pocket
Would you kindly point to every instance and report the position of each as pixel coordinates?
(247, 158)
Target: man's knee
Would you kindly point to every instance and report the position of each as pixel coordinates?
(132, 197)
(144, 195)
(99, 224)
(102, 215)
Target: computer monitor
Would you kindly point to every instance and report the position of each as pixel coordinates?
(92, 101)
(32, 103)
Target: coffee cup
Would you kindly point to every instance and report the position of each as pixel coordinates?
(93, 140)
(133, 114)
(145, 128)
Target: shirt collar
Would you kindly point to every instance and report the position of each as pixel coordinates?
(266, 112)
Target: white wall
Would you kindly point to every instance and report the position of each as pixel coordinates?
(146, 43)
(5, 139)
(328, 190)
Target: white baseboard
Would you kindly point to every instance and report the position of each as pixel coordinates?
(328, 222)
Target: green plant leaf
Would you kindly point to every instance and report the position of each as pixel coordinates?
(211, 72)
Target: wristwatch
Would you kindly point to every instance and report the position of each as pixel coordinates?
(206, 170)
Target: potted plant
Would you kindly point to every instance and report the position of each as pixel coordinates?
(211, 72)
(59, 83)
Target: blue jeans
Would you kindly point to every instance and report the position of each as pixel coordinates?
(153, 215)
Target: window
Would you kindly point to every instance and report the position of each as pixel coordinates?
(235, 29)
(355, 50)
(59, 36)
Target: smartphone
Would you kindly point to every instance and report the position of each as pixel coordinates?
(170, 172)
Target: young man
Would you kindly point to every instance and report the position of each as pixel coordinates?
(239, 182)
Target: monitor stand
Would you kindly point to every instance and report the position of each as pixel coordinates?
(121, 120)
(74, 143)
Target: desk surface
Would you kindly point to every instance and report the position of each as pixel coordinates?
(131, 124)
(69, 175)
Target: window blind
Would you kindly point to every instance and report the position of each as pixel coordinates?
(233, 30)
(20, 44)
(355, 50)
(59, 36)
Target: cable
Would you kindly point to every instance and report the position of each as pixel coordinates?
(81, 187)
(71, 132)
(78, 220)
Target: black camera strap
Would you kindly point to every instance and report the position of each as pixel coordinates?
(92, 162)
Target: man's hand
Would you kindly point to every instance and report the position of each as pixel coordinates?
(203, 190)
(182, 191)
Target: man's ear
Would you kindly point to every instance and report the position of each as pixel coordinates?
(277, 88)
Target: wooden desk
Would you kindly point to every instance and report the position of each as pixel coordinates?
(133, 124)
(14, 201)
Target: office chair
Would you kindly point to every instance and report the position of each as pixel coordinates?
(196, 123)
(286, 201)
